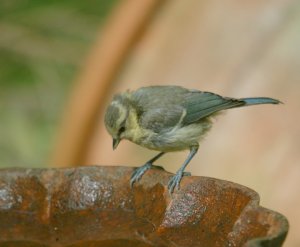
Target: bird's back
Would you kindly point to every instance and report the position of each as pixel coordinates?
(171, 104)
(159, 96)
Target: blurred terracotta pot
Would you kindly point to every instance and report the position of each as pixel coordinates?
(94, 206)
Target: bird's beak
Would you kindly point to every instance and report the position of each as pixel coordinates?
(116, 142)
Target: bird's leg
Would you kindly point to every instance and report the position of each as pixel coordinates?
(139, 172)
(175, 180)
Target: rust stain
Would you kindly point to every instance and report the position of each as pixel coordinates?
(94, 206)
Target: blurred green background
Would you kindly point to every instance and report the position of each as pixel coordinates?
(42, 46)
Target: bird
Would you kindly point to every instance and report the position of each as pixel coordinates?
(168, 119)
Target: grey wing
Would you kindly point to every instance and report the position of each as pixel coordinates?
(159, 96)
(159, 107)
(162, 107)
(161, 119)
(199, 105)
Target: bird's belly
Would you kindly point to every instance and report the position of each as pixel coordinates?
(177, 138)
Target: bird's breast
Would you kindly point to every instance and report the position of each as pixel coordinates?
(169, 139)
(176, 139)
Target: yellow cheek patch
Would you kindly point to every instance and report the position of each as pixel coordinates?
(134, 132)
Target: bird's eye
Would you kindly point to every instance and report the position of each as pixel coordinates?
(121, 130)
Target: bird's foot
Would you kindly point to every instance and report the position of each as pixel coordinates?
(139, 172)
(175, 180)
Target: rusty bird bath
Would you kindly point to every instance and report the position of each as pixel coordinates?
(94, 206)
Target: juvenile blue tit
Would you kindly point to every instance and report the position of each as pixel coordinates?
(167, 119)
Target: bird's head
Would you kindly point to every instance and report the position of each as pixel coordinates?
(116, 117)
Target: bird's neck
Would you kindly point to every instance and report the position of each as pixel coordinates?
(134, 132)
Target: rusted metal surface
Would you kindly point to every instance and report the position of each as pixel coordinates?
(94, 206)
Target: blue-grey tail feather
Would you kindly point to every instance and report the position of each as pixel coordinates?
(260, 100)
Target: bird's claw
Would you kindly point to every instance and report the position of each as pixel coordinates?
(138, 173)
(174, 182)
